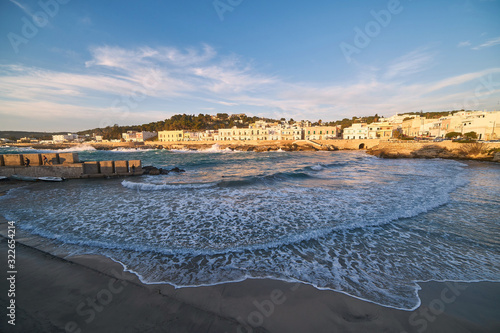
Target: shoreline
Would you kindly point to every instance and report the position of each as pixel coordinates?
(488, 152)
(91, 293)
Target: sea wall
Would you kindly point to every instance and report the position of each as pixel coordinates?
(65, 165)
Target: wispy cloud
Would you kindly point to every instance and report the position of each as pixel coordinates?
(201, 79)
(464, 44)
(489, 43)
(24, 8)
(409, 64)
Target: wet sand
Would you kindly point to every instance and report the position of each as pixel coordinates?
(94, 294)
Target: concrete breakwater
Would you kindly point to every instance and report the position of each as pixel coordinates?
(65, 165)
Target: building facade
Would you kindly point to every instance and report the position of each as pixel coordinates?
(356, 131)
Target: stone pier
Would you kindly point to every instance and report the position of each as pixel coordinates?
(65, 165)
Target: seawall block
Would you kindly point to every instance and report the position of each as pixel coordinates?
(107, 167)
(136, 164)
(53, 159)
(13, 160)
(121, 166)
(91, 168)
(66, 158)
(35, 159)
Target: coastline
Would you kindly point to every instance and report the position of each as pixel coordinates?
(487, 151)
(92, 293)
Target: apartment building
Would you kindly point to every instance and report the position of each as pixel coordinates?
(356, 131)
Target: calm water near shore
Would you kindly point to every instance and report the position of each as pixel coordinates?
(345, 221)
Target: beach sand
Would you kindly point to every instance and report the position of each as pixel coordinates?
(93, 294)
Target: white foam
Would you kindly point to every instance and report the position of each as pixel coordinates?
(166, 186)
(217, 149)
(78, 148)
(131, 150)
(317, 167)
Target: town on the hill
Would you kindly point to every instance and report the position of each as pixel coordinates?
(479, 125)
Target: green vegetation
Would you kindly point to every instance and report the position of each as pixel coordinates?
(452, 135)
(470, 135)
(16, 135)
(346, 122)
(431, 115)
(200, 122)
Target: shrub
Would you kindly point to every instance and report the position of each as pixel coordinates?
(452, 135)
(474, 148)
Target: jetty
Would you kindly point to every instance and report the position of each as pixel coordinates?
(65, 165)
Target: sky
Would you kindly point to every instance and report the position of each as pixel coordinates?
(70, 65)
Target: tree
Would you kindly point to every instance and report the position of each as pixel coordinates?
(397, 133)
(452, 135)
(470, 135)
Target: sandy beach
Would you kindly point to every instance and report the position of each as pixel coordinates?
(93, 294)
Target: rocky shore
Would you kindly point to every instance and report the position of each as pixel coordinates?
(379, 148)
(464, 151)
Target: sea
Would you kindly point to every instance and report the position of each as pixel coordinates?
(346, 221)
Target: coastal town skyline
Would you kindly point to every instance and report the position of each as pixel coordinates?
(67, 65)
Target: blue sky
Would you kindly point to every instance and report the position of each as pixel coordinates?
(68, 65)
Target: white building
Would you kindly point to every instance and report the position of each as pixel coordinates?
(64, 138)
(134, 136)
(356, 131)
(485, 124)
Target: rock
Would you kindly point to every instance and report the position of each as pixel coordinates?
(164, 171)
(154, 171)
(150, 170)
(176, 169)
(496, 157)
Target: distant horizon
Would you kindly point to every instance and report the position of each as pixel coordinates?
(70, 65)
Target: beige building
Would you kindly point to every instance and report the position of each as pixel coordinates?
(416, 126)
(380, 130)
(321, 132)
(170, 136)
(292, 133)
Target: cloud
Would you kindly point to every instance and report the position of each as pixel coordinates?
(24, 8)
(85, 20)
(142, 84)
(40, 20)
(489, 43)
(409, 64)
(464, 44)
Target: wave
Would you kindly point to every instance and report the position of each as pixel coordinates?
(166, 186)
(131, 150)
(225, 182)
(217, 149)
(317, 167)
(78, 148)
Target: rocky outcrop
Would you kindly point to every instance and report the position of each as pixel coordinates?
(153, 171)
(474, 151)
